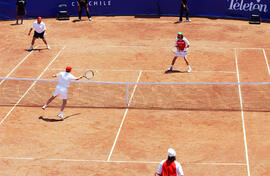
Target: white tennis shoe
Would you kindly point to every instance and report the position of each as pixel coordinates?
(31, 48)
(48, 47)
(189, 69)
(44, 107)
(61, 116)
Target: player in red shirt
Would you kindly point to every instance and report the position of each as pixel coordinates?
(170, 167)
(182, 45)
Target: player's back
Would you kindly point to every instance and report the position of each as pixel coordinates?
(64, 79)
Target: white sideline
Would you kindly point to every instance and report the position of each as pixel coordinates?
(17, 66)
(266, 60)
(125, 114)
(242, 112)
(31, 86)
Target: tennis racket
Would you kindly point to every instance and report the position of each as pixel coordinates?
(174, 49)
(89, 74)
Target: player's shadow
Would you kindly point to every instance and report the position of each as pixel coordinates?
(15, 24)
(56, 120)
(77, 20)
(36, 49)
(174, 71)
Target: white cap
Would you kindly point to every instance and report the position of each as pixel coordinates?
(171, 152)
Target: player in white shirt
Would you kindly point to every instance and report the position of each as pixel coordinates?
(39, 31)
(182, 45)
(64, 79)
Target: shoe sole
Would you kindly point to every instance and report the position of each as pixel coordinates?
(62, 118)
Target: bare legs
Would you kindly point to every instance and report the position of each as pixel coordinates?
(173, 62)
(60, 114)
(33, 42)
(87, 11)
(63, 105)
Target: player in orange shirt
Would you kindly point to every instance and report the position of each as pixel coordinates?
(182, 45)
(170, 167)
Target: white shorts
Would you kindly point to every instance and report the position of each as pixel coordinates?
(180, 53)
(61, 91)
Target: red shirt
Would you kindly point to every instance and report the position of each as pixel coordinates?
(181, 44)
(168, 169)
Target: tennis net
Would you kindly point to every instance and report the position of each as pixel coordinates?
(163, 96)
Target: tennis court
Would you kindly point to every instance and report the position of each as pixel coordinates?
(216, 125)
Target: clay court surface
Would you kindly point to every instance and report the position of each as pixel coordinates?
(216, 130)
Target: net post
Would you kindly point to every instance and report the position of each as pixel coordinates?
(127, 93)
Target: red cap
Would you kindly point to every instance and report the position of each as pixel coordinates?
(68, 68)
(39, 18)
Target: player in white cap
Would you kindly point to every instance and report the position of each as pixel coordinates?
(182, 45)
(170, 167)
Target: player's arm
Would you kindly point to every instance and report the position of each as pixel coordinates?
(175, 45)
(45, 29)
(75, 78)
(78, 78)
(179, 169)
(159, 171)
(187, 44)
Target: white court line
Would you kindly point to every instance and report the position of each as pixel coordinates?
(16, 158)
(205, 71)
(266, 60)
(26, 92)
(130, 70)
(125, 114)
(249, 48)
(242, 112)
(17, 66)
(117, 161)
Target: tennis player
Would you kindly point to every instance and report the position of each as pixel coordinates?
(64, 79)
(83, 3)
(20, 8)
(170, 167)
(40, 29)
(182, 45)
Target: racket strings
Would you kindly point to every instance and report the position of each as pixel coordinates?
(89, 74)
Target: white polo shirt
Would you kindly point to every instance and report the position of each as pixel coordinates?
(64, 79)
(39, 28)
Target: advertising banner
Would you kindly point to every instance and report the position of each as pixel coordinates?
(209, 8)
